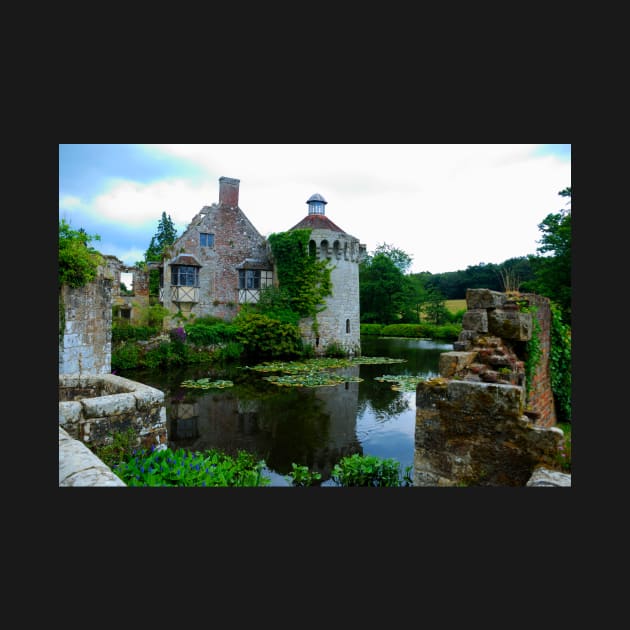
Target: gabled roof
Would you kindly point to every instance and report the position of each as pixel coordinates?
(317, 222)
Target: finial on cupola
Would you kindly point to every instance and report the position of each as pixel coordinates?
(316, 204)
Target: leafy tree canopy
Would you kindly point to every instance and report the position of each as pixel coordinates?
(77, 260)
(552, 264)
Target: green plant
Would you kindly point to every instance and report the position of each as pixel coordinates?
(125, 356)
(533, 350)
(304, 279)
(77, 262)
(181, 467)
(335, 349)
(266, 337)
(369, 470)
(301, 476)
(122, 445)
(560, 364)
(564, 455)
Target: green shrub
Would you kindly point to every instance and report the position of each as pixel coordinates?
(262, 336)
(127, 332)
(369, 470)
(560, 364)
(208, 334)
(184, 468)
(300, 476)
(125, 356)
(371, 329)
(334, 349)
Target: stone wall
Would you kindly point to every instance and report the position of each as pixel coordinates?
(94, 407)
(86, 326)
(476, 424)
(492, 347)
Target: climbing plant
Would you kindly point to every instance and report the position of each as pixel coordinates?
(303, 278)
(560, 363)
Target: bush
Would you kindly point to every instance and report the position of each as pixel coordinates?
(208, 334)
(371, 329)
(125, 356)
(184, 468)
(262, 336)
(369, 470)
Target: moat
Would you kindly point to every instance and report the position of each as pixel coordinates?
(311, 426)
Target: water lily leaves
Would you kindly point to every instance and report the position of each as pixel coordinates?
(315, 372)
(401, 382)
(311, 379)
(206, 383)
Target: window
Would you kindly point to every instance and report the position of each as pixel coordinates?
(184, 276)
(249, 279)
(347, 325)
(206, 240)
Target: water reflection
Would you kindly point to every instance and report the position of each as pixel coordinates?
(314, 427)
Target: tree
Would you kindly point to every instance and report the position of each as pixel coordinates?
(386, 294)
(401, 259)
(164, 237)
(551, 266)
(77, 259)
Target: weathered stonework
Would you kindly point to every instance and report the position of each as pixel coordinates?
(472, 433)
(85, 342)
(93, 407)
(79, 466)
(476, 424)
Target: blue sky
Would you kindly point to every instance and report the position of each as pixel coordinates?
(446, 205)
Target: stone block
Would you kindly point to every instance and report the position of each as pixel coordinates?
(510, 325)
(453, 362)
(475, 320)
(484, 298)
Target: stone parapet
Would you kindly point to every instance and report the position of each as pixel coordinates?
(79, 466)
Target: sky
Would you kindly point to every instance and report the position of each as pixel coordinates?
(447, 206)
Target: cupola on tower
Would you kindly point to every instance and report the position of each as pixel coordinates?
(339, 322)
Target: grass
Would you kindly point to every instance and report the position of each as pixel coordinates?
(455, 305)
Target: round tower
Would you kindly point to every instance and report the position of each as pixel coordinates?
(339, 323)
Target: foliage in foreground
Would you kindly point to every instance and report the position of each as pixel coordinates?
(183, 468)
(372, 471)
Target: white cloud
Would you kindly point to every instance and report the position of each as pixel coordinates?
(136, 204)
(448, 206)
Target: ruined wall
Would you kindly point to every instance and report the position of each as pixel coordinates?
(476, 424)
(86, 326)
(139, 300)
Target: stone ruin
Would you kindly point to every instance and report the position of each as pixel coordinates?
(478, 423)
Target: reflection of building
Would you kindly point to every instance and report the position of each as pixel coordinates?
(309, 426)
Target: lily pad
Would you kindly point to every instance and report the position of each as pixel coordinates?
(401, 382)
(206, 383)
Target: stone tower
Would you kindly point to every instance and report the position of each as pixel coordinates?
(339, 322)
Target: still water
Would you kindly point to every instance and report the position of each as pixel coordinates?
(311, 426)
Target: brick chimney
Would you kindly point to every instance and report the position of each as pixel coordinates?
(228, 191)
